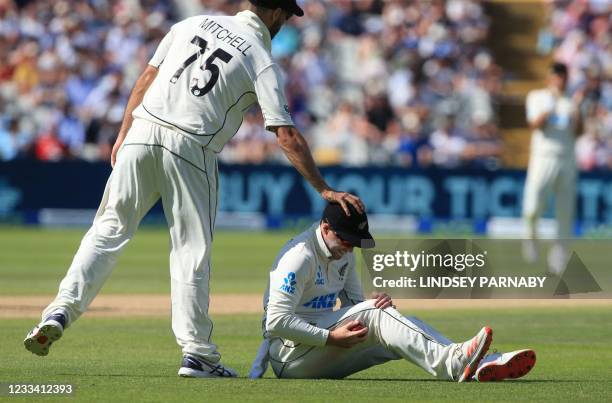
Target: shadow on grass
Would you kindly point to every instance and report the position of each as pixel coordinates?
(82, 375)
(519, 381)
(497, 383)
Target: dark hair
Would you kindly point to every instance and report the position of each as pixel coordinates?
(559, 69)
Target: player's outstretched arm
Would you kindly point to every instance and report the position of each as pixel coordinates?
(141, 86)
(297, 151)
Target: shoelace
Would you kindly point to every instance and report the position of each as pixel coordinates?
(458, 351)
(218, 370)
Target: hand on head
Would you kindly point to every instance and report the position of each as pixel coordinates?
(344, 198)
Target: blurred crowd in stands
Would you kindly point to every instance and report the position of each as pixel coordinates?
(67, 69)
(579, 34)
(368, 82)
(393, 82)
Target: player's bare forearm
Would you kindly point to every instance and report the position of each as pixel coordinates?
(577, 100)
(579, 125)
(140, 88)
(297, 151)
(142, 85)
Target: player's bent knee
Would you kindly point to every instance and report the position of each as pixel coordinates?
(363, 307)
(367, 304)
(364, 311)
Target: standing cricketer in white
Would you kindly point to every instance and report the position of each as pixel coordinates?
(305, 338)
(555, 120)
(189, 101)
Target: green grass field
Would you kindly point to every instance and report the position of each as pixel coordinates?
(136, 359)
(240, 261)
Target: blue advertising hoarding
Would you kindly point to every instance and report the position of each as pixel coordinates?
(279, 193)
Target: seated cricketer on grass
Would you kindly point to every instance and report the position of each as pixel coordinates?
(305, 338)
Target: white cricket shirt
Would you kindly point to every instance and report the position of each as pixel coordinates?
(304, 285)
(556, 139)
(211, 70)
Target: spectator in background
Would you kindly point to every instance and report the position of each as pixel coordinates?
(483, 147)
(448, 143)
(71, 130)
(48, 147)
(337, 133)
(252, 143)
(13, 142)
(406, 141)
(378, 111)
(591, 148)
(25, 74)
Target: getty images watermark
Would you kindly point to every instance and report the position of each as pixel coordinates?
(458, 262)
(459, 268)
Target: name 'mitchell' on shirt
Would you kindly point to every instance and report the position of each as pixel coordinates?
(212, 69)
(225, 35)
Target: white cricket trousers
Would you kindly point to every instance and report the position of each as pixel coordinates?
(548, 175)
(154, 162)
(391, 336)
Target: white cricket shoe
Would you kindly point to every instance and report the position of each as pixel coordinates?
(193, 367)
(45, 333)
(471, 352)
(512, 365)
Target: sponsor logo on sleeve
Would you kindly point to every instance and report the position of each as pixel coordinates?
(288, 285)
